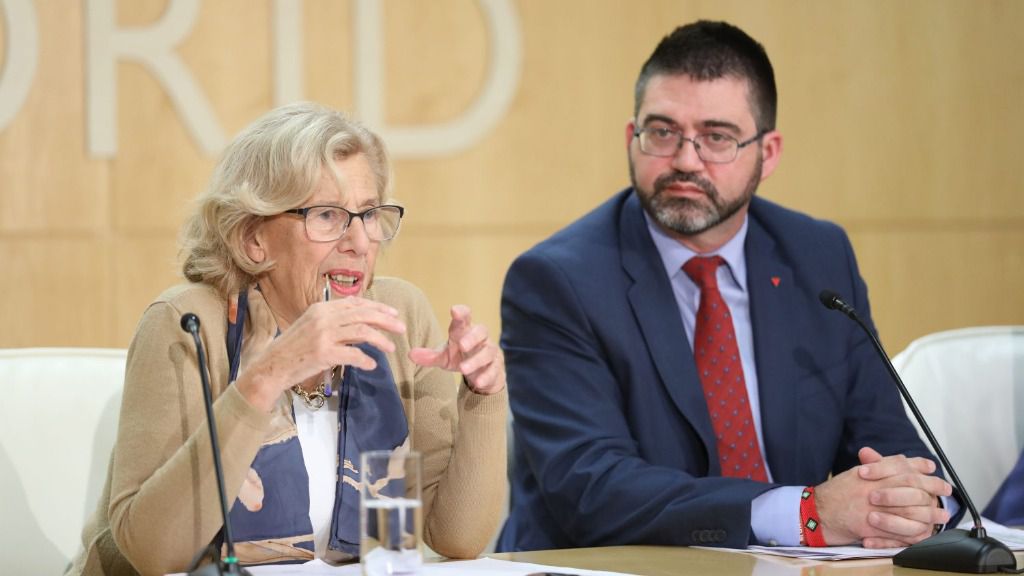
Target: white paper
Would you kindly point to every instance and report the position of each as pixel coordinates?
(494, 567)
(479, 567)
(313, 567)
(1013, 538)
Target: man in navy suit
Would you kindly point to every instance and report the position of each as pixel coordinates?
(625, 435)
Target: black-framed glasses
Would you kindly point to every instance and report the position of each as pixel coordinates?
(329, 223)
(711, 147)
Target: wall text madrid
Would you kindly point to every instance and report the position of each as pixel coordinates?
(154, 48)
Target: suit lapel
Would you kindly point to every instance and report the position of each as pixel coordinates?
(774, 296)
(655, 309)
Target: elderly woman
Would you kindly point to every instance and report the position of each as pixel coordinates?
(312, 360)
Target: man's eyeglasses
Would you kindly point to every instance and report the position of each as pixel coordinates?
(711, 147)
(329, 223)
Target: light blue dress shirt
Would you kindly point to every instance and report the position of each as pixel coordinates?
(775, 515)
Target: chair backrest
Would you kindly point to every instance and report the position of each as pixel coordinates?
(969, 385)
(58, 423)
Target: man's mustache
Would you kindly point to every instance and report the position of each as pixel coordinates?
(677, 177)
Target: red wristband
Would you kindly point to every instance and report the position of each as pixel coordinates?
(810, 524)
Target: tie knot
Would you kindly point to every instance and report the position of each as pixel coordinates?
(702, 269)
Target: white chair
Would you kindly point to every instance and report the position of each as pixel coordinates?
(58, 423)
(969, 385)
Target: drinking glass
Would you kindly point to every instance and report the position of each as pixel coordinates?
(390, 513)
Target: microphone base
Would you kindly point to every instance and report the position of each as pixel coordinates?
(216, 569)
(216, 565)
(957, 551)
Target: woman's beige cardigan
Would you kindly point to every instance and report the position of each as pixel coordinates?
(159, 506)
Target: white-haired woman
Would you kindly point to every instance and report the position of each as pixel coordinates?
(312, 361)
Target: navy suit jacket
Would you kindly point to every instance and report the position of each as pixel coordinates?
(613, 441)
(1007, 506)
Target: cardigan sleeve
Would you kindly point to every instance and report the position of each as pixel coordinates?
(460, 434)
(163, 494)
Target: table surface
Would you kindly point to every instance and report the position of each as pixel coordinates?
(680, 561)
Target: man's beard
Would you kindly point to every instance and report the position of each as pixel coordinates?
(690, 216)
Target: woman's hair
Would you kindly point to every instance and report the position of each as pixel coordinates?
(273, 165)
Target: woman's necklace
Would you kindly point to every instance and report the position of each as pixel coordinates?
(314, 400)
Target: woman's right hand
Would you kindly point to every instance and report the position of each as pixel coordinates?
(321, 338)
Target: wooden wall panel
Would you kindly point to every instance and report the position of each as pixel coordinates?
(924, 279)
(467, 265)
(57, 291)
(901, 122)
(158, 170)
(902, 110)
(46, 183)
(158, 167)
(327, 45)
(142, 267)
(435, 70)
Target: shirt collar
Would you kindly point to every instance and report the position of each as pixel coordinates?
(674, 254)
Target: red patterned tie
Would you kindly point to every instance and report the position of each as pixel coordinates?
(721, 374)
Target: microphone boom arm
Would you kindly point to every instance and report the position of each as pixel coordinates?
(979, 529)
(953, 550)
(229, 564)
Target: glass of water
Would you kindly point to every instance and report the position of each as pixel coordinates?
(390, 513)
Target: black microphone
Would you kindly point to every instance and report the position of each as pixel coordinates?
(228, 564)
(954, 550)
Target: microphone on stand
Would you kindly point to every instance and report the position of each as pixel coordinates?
(229, 564)
(954, 550)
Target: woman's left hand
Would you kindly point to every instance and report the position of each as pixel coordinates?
(468, 351)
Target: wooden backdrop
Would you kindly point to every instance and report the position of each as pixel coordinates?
(902, 121)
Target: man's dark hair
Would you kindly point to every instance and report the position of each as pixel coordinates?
(707, 50)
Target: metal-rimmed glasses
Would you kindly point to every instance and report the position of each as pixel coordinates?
(712, 147)
(329, 223)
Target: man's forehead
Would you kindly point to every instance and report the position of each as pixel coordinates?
(665, 93)
(728, 82)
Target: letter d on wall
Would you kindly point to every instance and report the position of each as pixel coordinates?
(22, 52)
(458, 134)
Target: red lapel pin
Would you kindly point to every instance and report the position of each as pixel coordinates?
(775, 281)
